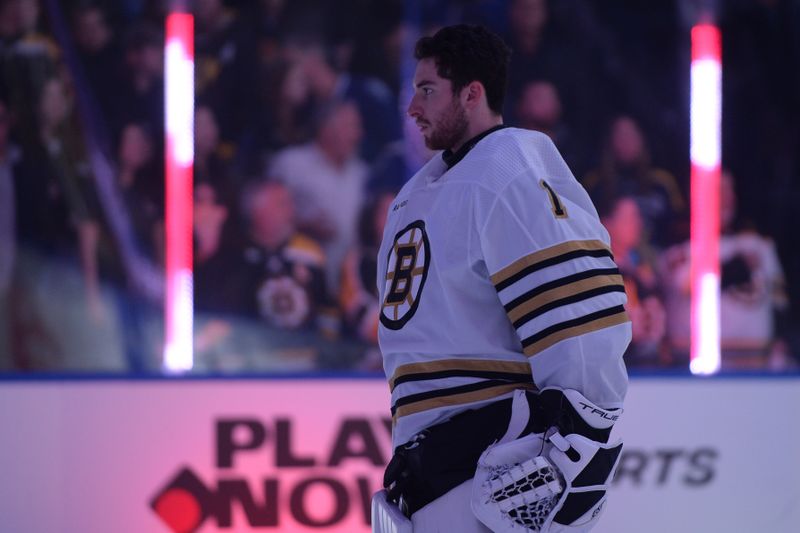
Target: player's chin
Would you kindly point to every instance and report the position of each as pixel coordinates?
(431, 143)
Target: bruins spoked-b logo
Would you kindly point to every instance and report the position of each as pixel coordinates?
(406, 271)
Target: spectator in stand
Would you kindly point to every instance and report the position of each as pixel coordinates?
(546, 36)
(225, 57)
(28, 58)
(102, 60)
(214, 258)
(143, 95)
(210, 217)
(761, 113)
(533, 41)
(140, 182)
(539, 109)
(281, 91)
(541, 48)
(285, 106)
(61, 160)
(327, 179)
(59, 230)
(376, 105)
(276, 281)
(271, 17)
(212, 158)
(9, 24)
(378, 46)
(626, 170)
(10, 159)
(636, 263)
(358, 297)
(753, 304)
(33, 40)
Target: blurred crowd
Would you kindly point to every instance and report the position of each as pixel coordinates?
(301, 142)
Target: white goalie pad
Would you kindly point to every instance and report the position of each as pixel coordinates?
(387, 517)
(546, 482)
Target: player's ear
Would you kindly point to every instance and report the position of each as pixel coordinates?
(473, 94)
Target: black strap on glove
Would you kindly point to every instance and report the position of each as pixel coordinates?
(550, 408)
(443, 456)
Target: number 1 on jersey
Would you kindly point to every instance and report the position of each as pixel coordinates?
(558, 208)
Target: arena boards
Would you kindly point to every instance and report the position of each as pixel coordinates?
(305, 455)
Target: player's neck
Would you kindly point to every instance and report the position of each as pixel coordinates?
(451, 158)
(477, 126)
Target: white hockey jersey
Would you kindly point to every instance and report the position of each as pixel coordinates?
(496, 275)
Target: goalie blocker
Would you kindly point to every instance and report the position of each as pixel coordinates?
(541, 463)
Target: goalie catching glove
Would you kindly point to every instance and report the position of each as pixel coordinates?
(554, 479)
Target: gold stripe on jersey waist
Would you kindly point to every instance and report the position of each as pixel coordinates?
(491, 391)
(485, 368)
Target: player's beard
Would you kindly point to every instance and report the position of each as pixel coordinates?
(450, 129)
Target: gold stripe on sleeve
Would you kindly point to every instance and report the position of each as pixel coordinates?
(564, 291)
(543, 255)
(576, 331)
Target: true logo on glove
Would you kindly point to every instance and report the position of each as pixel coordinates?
(602, 414)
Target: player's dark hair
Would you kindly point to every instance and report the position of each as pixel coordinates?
(464, 53)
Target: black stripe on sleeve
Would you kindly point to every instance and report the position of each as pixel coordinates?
(555, 328)
(585, 295)
(566, 280)
(574, 254)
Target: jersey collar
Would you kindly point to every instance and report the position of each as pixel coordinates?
(450, 158)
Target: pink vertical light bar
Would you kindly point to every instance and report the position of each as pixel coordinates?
(706, 112)
(179, 130)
